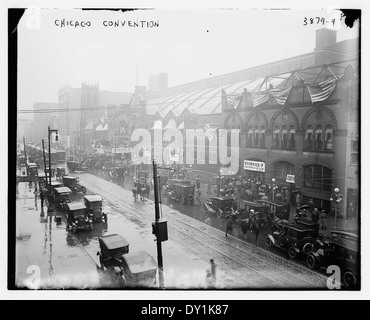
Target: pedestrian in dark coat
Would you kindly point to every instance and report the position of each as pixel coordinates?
(229, 226)
(315, 215)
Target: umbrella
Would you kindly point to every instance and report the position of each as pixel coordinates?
(305, 206)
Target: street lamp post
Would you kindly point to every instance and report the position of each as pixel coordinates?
(50, 131)
(336, 198)
(273, 188)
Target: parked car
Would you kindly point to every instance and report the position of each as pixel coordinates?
(136, 269)
(182, 193)
(168, 187)
(280, 210)
(94, 207)
(340, 248)
(73, 183)
(77, 219)
(61, 197)
(293, 238)
(61, 171)
(219, 206)
(245, 208)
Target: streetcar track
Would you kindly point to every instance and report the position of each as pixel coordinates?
(253, 250)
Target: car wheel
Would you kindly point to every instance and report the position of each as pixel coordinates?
(307, 248)
(182, 200)
(268, 242)
(313, 262)
(292, 252)
(349, 279)
(219, 214)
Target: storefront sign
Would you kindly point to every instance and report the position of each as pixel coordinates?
(254, 165)
(290, 178)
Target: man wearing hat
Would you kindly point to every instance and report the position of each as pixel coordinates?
(315, 215)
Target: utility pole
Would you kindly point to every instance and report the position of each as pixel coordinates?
(25, 154)
(56, 139)
(43, 152)
(159, 228)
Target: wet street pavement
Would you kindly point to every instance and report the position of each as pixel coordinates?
(69, 260)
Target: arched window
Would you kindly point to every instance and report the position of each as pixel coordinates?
(250, 137)
(281, 169)
(263, 136)
(317, 177)
(256, 136)
(291, 137)
(318, 137)
(284, 137)
(308, 137)
(328, 137)
(276, 137)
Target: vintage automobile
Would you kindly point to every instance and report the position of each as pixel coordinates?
(182, 193)
(61, 197)
(142, 175)
(73, 184)
(280, 210)
(32, 169)
(74, 165)
(219, 206)
(77, 219)
(55, 184)
(136, 269)
(94, 207)
(340, 248)
(293, 238)
(245, 206)
(61, 171)
(170, 182)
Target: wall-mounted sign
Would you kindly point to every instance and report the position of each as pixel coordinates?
(254, 165)
(290, 178)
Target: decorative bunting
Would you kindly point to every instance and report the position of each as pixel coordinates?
(234, 101)
(321, 91)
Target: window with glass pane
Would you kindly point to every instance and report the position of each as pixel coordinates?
(292, 137)
(263, 136)
(308, 137)
(276, 136)
(281, 169)
(317, 177)
(318, 137)
(284, 137)
(354, 152)
(250, 137)
(329, 137)
(256, 136)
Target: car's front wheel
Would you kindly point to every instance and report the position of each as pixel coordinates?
(292, 252)
(219, 213)
(313, 262)
(182, 200)
(349, 279)
(268, 242)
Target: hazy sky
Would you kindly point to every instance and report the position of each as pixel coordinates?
(188, 45)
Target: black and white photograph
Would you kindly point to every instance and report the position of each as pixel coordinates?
(206, 149)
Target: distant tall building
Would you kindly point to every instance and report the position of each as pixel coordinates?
(158, 82)
(78, 106)
(45, 114)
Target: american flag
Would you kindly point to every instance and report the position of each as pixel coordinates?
(234, 101)
(321, 91)
(280, 96)
(260, 97)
